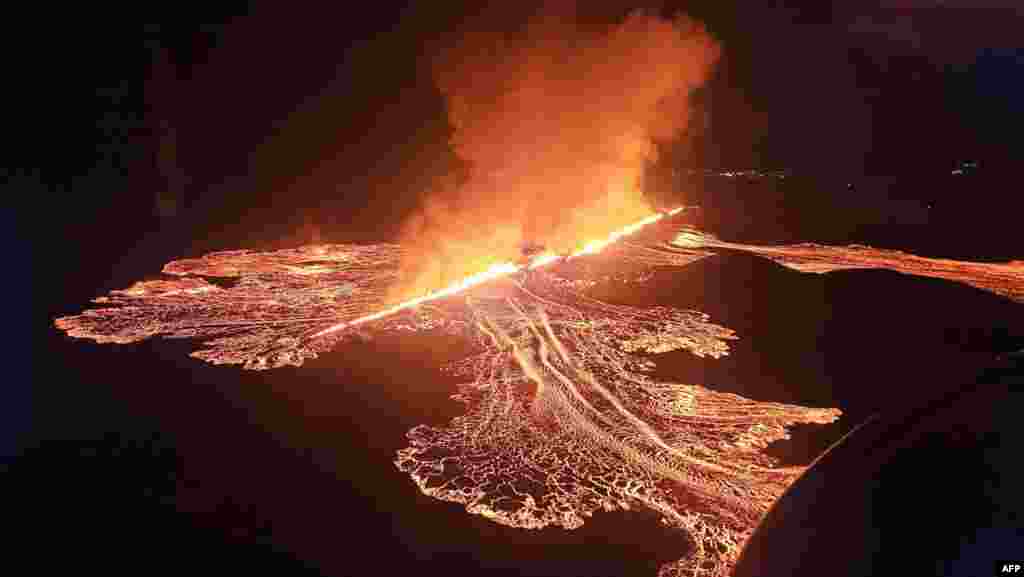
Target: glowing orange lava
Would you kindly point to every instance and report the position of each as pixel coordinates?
(500, 270)
(562, 419)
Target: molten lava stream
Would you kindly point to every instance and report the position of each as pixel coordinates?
(498, 271)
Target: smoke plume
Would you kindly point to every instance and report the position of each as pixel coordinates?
(555, 123)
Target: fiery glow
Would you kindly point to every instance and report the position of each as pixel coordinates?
(1006, 279)
(554, 122)
(497, 271)
(543, 259)
(595, 246)
(562, 419)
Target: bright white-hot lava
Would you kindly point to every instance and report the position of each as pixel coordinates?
(563, 418)
(500, 270)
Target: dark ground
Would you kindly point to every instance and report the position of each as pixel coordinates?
(933, 371)
(142, 459)
(151, 137)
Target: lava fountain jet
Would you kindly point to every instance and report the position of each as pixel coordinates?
(497, 271)
(554, 123)
(561, 418)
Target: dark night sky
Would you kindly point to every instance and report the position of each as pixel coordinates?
(293, 113)
(167, 132)
(275, 123)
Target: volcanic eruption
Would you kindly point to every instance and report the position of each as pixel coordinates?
(555, 123)
(562, 417)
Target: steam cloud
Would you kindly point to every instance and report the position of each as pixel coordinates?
(555, 123)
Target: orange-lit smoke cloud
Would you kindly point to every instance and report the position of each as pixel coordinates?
(556, 123)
